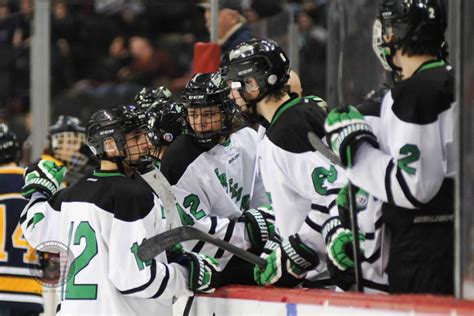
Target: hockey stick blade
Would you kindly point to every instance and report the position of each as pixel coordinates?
(318, 145)
(152, 247)
(158, 183)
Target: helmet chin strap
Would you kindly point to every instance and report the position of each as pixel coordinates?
(396, 71)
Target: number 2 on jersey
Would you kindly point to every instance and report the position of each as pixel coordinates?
(413, 155)
(74, 291)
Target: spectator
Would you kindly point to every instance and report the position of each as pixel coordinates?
(8, 29)
(148, 63)
(312, 41)
(65, 46)
(231, 24)
(118, 57)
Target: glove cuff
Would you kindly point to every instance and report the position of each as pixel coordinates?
(257, 228)
(42, 185)
(330, 227)
(300, 254)
(351, 143)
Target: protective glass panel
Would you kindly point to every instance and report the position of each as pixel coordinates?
(350, 30)
(466, 105)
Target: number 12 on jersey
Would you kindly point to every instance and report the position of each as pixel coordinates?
(82, 234)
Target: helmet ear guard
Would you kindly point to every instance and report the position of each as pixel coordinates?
(272, 79)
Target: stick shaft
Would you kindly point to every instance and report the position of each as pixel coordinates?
(317, 144)
(152, 247)
(355, 240)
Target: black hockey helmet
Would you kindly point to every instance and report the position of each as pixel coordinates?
(418, 27)
(262, 59)
(169, 122)
(9, 147)
(202, 91)
(114, 123)
(149, 97)
(66, 123)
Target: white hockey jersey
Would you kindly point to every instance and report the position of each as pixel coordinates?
(410, 177)
(214, 187)
(302, 184)
(103, 219)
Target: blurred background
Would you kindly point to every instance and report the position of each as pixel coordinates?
(102, 52)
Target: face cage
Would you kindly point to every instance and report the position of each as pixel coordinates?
(65, 147)
(212, 128)
(380, 48)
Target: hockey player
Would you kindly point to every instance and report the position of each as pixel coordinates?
(302, 186)
(66, 146)
(20, 294)
(211, 169)
(166, 119)
(371, 228)
(408, 163)
(103, 219)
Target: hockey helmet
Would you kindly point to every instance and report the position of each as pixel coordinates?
(9, 147)
(66, 136)
(202, 92)
(149, 97)
(169, 122)
(114, 123)
(264, 60)
(416, 25)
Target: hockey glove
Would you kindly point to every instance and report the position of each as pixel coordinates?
(173, 253)
(44, 177)
(338, 240)
(204, 272)
(342, 201)
(287, 263)
(260, 224)
(346, 131)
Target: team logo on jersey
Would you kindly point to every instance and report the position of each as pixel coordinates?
(54, 261)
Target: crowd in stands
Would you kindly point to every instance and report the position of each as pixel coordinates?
(104, 51)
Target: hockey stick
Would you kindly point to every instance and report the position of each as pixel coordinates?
(352, 198)
(317, 144)
(160, 185)
(150, 248)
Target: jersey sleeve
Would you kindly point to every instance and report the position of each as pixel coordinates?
(259, 195)
(40, 221)
(411, 165)
(317, 180)
(194, 207)
(153, 279)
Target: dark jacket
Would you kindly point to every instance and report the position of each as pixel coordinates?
(242, 34)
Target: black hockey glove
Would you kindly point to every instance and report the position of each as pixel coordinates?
(44, 177)
(287, 263)
(345, 280)
(342, 201)
(346, 131)
(204, 272)
(260, 224)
